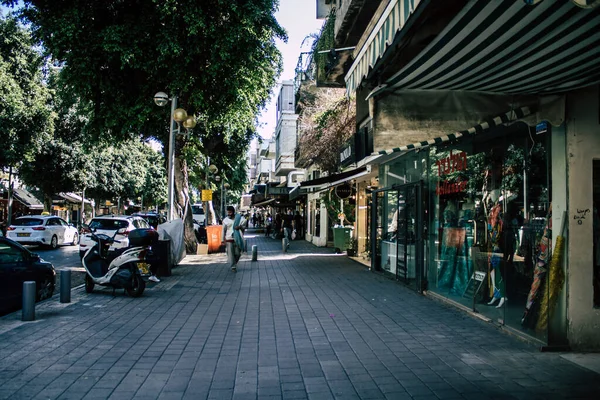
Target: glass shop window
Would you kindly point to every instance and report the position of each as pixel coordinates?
(596, 227)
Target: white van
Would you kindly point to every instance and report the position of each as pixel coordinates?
(198, 214)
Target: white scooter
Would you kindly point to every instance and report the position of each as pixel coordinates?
(124, 268)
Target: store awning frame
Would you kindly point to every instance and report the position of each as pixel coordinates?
(509, 48)
(263, 203)
(394, 18)
(511, 116)
(336, 179)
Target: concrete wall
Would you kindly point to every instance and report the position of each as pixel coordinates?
(583, 146)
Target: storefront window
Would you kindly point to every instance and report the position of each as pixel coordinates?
(490, 231)
(596, 227)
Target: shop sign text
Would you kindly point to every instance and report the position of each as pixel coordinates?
(454, 162)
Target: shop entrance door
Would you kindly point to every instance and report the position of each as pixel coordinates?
(409, 260)
(398, 233)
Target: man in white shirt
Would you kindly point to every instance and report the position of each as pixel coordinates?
(233, 230)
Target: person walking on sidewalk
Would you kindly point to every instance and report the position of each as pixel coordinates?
(233, 229)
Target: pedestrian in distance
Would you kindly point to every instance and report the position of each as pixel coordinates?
(233, 230)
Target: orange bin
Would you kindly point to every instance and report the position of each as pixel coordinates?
(213, 234)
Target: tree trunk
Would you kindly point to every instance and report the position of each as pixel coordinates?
(182, 206)
(48, 202)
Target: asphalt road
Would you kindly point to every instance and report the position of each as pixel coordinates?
(63, 258)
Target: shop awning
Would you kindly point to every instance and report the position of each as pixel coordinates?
(26, 198)
(296, 192)
(336, 179)
(509, 47)
(511, 116)
(393, 19)
(263, 203)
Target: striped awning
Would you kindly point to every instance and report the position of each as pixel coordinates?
(580, 3)
(511, 116)
(391, 22)
(509, 47)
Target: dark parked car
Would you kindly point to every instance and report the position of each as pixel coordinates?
(17, 265)
(153, 219)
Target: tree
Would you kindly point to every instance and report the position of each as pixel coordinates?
(58, 167)
(219, 56)
(327, 121)
(26, 121)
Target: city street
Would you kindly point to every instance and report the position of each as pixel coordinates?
(308, 324)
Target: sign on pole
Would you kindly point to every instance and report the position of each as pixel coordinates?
(207, 195)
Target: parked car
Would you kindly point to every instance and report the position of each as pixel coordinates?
(17, 265)
(108, 225)
(45, 230)
(153, 219)
(198, 214)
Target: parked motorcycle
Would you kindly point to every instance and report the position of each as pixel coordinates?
(123, 268)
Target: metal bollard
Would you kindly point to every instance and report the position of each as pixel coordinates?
(28, 311)
(285, 244)
(65, 286)
(254, 252)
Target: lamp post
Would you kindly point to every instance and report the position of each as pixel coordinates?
(212, 169)
(178, 115)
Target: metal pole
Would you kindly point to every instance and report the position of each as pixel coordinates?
(82, 207)
(65, 286)
(28, 311)
(206, 214)
(254, 253)
(171, 166)
(10, 197)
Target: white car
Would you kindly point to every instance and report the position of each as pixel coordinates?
(108, 225)
(42, 230)
(198, 214)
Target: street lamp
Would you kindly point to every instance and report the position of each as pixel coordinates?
(178, 116)
(212, 169)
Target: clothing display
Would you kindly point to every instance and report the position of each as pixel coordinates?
(539, 273)
(495, 255)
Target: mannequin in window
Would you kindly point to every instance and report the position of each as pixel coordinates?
(453, 273)
(495, 253)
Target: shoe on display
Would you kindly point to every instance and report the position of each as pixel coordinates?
(154, 279)
(493, 300)
(502, 301)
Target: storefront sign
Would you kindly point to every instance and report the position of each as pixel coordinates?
(347, 156)
(343, 191)
(450, 187)
(454, 162)
(206, 195)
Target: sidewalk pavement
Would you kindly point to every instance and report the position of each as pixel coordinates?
(303, 324)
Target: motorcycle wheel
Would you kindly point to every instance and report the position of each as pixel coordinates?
(89, 284)
(137, 286)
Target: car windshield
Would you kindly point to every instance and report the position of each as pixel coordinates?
(197, 210)
(28, 222)
(108, 224)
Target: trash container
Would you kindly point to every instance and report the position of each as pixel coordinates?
(342, 238)
(162, 254)
(213, 233)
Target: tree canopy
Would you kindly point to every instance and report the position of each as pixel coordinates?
(26, 119)
(219, 56)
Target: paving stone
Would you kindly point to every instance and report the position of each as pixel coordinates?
(316, 327)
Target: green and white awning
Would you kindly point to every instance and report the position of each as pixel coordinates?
(511, 116)
(393, 19)
(510, 47)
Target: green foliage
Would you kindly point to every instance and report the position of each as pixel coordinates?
(59, 167)
(327, 121)
(26, 120)
(128, 171)
(219, 56)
